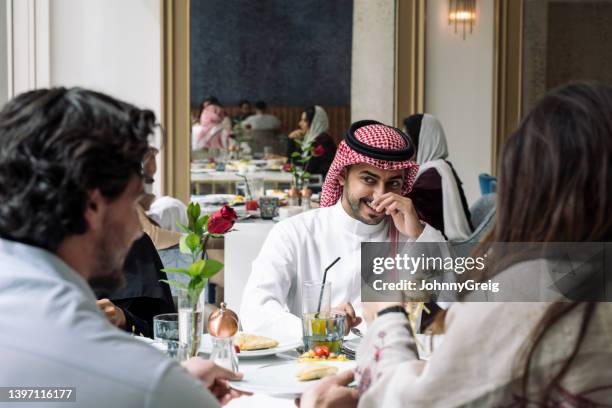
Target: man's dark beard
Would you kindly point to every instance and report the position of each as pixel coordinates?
(354, 205)
(107, 273)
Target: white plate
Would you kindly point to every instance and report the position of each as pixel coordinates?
(278, 379)
(214, 199)
(283, 346)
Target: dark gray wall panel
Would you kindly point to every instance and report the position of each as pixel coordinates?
(285, 52)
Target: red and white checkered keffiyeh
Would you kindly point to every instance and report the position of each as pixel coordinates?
(379, 136)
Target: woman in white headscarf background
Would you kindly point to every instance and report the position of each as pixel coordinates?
(312, 130)
(437, 193)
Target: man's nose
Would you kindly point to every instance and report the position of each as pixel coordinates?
(379, 189)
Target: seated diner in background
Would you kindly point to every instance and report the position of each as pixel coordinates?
(312, 131)
(437, 190)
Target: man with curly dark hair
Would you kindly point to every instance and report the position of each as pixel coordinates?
(70, 182)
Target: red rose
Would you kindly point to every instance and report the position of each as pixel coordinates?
(318, 150)
(219, 225)
(228, 212)
(287, 167)
(222, 221)
(248, 126)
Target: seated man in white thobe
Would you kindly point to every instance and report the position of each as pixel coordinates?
(363, 199)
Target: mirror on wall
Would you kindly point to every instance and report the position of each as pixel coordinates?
(258, 69)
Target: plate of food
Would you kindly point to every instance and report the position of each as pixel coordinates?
(254, 346)
(289, 379)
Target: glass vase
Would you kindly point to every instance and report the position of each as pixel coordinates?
(191, 321)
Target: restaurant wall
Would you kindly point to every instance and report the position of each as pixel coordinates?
(459, 89)
(3, 54)
(110, 45)
(373, 72)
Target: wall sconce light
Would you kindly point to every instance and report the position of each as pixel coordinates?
(462, 13)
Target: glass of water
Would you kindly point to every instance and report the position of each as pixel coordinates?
(165, 330)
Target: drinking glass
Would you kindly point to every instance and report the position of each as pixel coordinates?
(165, 330)
(320, 327)
(267, 207)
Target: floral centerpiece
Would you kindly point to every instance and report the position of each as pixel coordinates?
(240, 134)
(200, 228)
(299, 162)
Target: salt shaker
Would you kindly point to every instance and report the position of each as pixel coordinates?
(222, 326)
(306, 194)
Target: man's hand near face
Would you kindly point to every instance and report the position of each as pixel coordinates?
(403, 213)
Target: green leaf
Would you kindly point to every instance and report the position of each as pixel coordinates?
(183, 227)
(183, 248)
(201, 223)
(295, 154)
(174, 282)
(195, 289)
(192, 241)
(211, 268)
(193, 213)
(177, 270)
(196, 268)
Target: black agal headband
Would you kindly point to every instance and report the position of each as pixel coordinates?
(374, 152)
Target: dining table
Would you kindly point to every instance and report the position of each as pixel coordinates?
(248, 366)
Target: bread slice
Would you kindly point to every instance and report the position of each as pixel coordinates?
(253, 342)
(315, 371)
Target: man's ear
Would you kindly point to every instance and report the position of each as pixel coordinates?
(343, 176)
(95, 210)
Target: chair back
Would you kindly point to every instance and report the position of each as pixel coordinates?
(483, 216)
(488, 183)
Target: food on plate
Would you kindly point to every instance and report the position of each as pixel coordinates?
(321, 353)
(315, 371)
(253, 342)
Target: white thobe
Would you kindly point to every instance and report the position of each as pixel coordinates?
(298, 250)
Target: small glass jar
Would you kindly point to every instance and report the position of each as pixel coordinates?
(223, 353)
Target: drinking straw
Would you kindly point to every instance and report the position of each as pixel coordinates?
(323, 286)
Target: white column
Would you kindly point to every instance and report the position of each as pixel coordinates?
(373, 60)
(28, 45)
(3, 53)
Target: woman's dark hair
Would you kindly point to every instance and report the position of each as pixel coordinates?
(413, 127)
(211, 100)
(242, 102)
(310, 112)
(57, 145)
(555, 185)
(261, 105)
